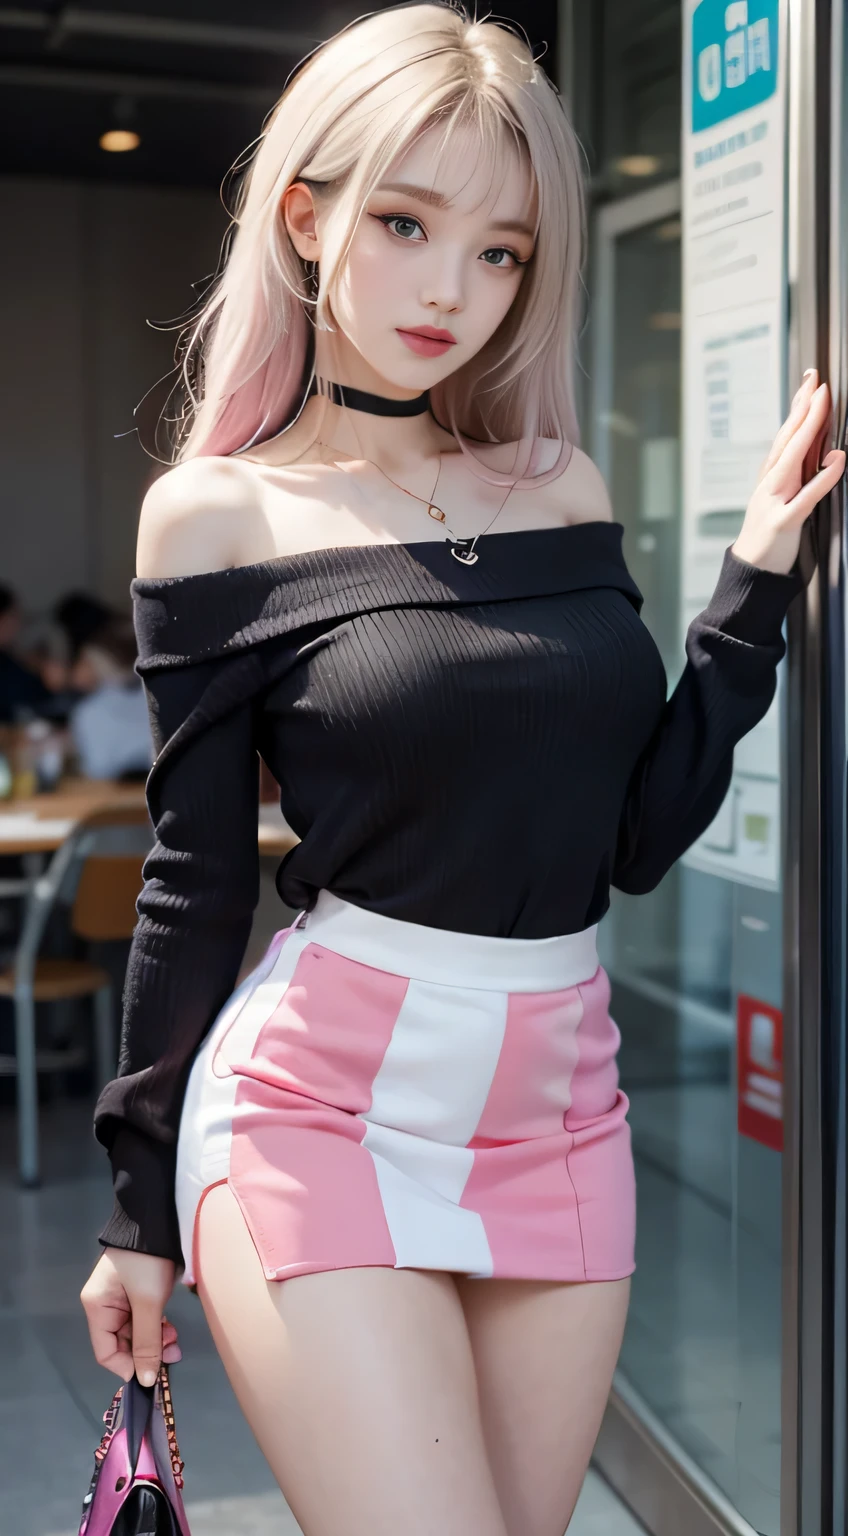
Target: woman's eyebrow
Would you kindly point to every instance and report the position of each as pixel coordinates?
(438, 200)
(420, 194)
(517, 227)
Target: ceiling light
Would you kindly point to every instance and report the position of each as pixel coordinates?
(120, 129)
(638, 165)
(665, 320)
(118, 140)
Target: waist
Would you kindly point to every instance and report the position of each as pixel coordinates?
(449, 958)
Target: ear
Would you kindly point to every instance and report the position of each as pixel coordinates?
(301, 220)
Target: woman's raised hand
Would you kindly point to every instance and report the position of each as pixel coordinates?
(124, 1300)
(791, 483)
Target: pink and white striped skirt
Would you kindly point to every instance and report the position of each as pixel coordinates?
(377, 1092)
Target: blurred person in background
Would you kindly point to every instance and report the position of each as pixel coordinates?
(110, 726)
(24, 690)
(80, 616)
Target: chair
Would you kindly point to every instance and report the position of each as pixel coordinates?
(107, 886)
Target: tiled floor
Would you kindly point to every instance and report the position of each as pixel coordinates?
(52, 1393)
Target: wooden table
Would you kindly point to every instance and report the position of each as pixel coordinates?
(34, 829)
(41, 823)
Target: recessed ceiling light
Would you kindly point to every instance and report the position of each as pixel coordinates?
(638, 165)
(118, 140)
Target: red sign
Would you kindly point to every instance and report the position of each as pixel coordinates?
(759, 1056)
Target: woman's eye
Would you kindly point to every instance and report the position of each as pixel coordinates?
(499, 256)
(401, 224)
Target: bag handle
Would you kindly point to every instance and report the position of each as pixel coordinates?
(140, 1445)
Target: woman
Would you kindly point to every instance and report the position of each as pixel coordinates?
(405, 587)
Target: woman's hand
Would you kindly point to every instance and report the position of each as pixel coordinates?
(791, 483)
(124, 1300)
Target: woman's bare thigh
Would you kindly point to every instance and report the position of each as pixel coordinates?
(358, 1384)
(544, 1357)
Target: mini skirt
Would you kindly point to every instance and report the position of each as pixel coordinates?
(378, 1092)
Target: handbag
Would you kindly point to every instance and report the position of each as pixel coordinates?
(135, 1486)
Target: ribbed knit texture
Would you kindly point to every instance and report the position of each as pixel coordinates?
(484, 749)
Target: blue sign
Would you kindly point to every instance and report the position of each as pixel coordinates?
(734, 58)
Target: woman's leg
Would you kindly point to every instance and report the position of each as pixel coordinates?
(358, 1385)
(544, 1357)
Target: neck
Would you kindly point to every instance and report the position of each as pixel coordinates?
(390, 441)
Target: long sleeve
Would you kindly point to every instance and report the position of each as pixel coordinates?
(201, 882)
(733, 649)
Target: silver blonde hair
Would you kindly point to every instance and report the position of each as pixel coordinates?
(359, 102)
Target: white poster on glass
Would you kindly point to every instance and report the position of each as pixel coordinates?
(734, 337)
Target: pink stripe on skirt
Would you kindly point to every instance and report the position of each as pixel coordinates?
(378, 1092)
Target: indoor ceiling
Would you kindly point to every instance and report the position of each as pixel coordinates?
(192, 78)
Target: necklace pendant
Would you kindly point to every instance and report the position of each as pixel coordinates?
(436, 513)
(463, 550)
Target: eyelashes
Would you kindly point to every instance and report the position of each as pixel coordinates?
(390, 219)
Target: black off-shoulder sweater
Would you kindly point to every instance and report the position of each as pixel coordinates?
(480, 748)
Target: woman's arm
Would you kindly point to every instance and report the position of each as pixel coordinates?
(733, 649)
(201, 879)
(201, 883)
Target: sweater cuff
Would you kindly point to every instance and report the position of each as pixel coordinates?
(750, 603)
(144, 1216)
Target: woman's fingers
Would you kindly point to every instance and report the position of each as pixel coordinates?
(146, 1338)
(171, 1351)
(787, 472)
(815, 457)
(797, 412)
(819, 486)
(111, 1353)
(124, 1300)
(109, 1341)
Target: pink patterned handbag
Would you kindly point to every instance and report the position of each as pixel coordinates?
(135, 1487)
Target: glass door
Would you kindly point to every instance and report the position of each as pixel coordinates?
(696, 968)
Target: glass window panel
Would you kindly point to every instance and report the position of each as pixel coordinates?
(703, 1340)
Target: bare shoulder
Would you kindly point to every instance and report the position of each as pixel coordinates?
(191, 517)
(577, 495)
(581, 491)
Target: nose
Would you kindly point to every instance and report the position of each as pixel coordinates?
(442, 290)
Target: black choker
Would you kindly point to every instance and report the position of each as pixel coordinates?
(377, 405)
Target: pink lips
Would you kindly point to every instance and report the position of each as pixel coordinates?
(427, 341)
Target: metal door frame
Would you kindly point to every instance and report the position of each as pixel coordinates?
(815, 927)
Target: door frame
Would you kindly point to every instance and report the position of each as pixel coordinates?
(612, 221)
(815, 987)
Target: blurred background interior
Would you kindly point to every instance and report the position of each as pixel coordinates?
(118, 121)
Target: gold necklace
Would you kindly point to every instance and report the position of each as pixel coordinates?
(462, 549)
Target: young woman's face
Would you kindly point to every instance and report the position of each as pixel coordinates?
(441, 247)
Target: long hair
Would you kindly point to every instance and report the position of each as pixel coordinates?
(361, 100)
